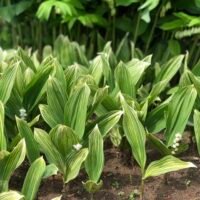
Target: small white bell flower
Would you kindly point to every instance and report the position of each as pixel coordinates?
(77, 146)
(173, 152)
(178, 136)
(22, 113)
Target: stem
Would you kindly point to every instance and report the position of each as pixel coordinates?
(65, 188)
(39, 39)
(152, 31)
(196, 57)
(91, 196)
(142, 190)
(193, 47)
(14, 40)
(20, 36)
(136, 29)
(54, 27)
(3, 185)
(113, 31)
(166, 179)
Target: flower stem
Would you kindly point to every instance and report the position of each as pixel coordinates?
(142, 190)
(91, 196)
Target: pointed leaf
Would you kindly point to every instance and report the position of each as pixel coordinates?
(124, 80)
(165, 165)
(31, 145)
(76, 110)
(33, 179)
(74, 162)
(63, 138)
(56, 97)
(92, 186)
(26, 59)
(178, 112)
(105, 122)
(135, 133)
(10, 162)
(95, 159)
(7, 81)
(3, 143)
(49, 149)
(11, 195)
(169, 69)
(50, 170)
(158, 144)
(49, 117)
(99, 96)
(137, 67)
(34, 89)
(96, 69)
(197, 128)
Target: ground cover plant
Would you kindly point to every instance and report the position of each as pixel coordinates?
(58, 114)
(153, 25)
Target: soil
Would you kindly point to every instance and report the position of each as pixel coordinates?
(121, 178)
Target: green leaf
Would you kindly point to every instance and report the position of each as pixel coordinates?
(63, 138)
(105, 122)
(12, 10)
(9, 162)
(135, 133)
(156, 90)
(95, 159)
(26, 59)
(155, 120)
(174, 47)
(158, 144)
(34, 89)
(34, 121)
(31, 145)
(50, 170)
(56, 97)
(167, 164)
(11, 195)
(124, 80)
(115, 136)
(33, 178)
(76, 110)
(44, 10)
(149, 4)
(74, 162)
(7, 81)
(96, 69)
(122, 52)
(179, 110)
(3, 143)
(99, 96)
(137, 67)
(126, 2)
(49, 117)
(90, 19)
(169, 69)
(197, 128)
(92, 186)
(49, 149)
(146, 7)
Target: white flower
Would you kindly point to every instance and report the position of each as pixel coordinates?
(173, 152)
(174, 145)
(77, 146)
(22, 113)
(178, 136)
(176, 149)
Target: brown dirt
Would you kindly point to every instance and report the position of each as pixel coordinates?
(121, 177)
